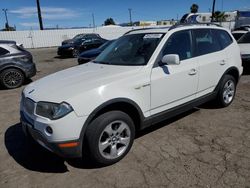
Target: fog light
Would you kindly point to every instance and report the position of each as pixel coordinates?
(49, 130)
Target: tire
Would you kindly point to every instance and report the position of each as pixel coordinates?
(75, 53)
(226, 91)
(110, 137)
(12, 78)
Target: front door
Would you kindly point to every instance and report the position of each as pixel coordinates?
(173, 85)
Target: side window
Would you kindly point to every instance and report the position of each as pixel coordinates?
(179, 43)
(224, 38)
(3, 51)
(245, 38)
(205, 42)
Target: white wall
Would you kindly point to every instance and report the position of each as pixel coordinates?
(50, 38)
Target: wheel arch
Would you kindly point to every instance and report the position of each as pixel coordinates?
(233, 71)
(122, 104)
(12, 67)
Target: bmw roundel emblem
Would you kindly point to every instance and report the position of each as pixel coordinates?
(31, 91)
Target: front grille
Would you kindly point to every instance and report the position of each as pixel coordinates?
(29, 105)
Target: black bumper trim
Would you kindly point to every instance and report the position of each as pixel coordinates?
(70, 152)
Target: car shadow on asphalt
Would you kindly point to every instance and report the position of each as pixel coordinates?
(164, 123)
(63, 57)
(31, 155)
(246, 66)
(34, 157)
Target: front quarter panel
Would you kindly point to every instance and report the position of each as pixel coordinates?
(134, 87)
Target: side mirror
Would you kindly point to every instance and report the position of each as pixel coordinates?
(170, 59)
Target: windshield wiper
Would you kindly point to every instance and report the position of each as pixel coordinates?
(101, 62)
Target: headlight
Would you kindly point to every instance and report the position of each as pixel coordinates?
(53, 110)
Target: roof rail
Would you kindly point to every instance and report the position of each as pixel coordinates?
(190, 24)
(164, 27)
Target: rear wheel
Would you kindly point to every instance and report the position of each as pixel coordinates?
(227, 91)
(110, 137)
(12, 78)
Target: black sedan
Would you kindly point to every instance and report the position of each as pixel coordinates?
(92, 54)
(82, 36)
(79, 46)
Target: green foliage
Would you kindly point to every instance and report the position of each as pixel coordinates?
(219, 16)
(109, 21)
(194, 8)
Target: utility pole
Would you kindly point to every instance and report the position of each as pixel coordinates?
(93, 19)
(130, 16)
(6, 17)
(39, 14)
(213, 11)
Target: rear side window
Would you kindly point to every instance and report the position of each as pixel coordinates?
(245, 38)
(3, 51)
(179, 43)
(224, 38)
(205, 42)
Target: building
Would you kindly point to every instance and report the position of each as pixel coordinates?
(166, 22)
(145, 23)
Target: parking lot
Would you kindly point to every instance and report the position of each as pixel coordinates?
(205, 147)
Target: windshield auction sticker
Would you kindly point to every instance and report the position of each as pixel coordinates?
(152, 36)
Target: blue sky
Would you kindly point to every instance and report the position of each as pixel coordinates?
(76, 13)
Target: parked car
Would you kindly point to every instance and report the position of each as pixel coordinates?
(89, 55)
(144, 77)
(244, 43)
(82, 36)
(237, 34)
(16, 64)
(243, 28)
(78, 46)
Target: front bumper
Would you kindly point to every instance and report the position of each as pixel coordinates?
(66, 152)
(64, 51)
(30, 70)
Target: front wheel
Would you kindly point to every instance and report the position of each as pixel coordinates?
(110, 137)
(227, 91)
(75, 53)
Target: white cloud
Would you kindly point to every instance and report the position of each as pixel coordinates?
(49, 13)
(29, 24)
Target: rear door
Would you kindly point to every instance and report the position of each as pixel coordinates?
(211, 59)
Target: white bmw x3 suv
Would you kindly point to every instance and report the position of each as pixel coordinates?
(144, 77)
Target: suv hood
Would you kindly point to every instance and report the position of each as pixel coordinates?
(71, 82)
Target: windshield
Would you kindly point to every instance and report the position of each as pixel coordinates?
(79, 36)
(105, 45)
(135, 49)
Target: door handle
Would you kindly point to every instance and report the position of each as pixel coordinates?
(223, 62)
(192, 72)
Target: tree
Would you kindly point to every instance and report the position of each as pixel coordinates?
(194, 8)
(109, 21)
(219, 16)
